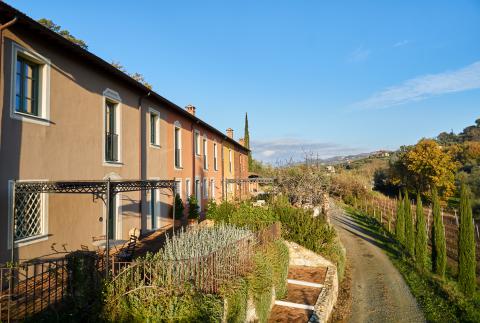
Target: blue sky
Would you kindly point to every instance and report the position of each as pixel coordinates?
(331, 78)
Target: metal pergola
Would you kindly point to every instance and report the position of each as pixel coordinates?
(259, 180)
(240, 181)
(103, 189)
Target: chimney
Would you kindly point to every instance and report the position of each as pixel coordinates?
(191, 109)
(241, 141)
(230, 133)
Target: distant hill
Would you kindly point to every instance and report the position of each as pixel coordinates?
(345, 159)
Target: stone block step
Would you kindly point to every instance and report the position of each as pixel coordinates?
(302, 294)
(283, 314)
(307, 274)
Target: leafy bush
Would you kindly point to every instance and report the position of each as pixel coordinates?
(298, 225)
(179, 207)
(260, 283)
(242, 215)
(193, 208)
(162, 305)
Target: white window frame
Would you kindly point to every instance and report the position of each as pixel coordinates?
(177, 125)
(205, 188)
(212, 188)
(205, 152)
(113, 97)
(179, 190)
(118, 209)
(215, 156)
(188, 188)
(230, 162)
(196, 143)
(158, 208)
(198, 193)
(44, 85)
(156, 144)
(43, 218)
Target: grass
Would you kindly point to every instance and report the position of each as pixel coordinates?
(439, 299)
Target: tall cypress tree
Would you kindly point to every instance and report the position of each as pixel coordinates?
(439, 248)
(246, 138)
(421, 236)
(409, 231)
(466, 246)
(400, 222)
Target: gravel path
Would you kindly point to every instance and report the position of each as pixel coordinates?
(379, 293)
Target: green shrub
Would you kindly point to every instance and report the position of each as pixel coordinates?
(409, 231)
(466, 246)
(400, 221)
(242, 215)
(439, 247)
(278, 256)
(260, 282)
(236, 296)
(421, 237)
(162, 305)
(193, 208)
(179, 207)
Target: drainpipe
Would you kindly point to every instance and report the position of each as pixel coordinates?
(2, 28)
(142, 153)
(12, 228)
(223, 173)
(194, 181)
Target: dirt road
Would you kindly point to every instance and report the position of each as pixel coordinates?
(379, 293)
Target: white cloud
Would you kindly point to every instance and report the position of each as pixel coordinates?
(426, 86)
(286, 149)
(358, 55)
(401, 43)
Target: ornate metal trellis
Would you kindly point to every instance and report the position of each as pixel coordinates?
(251, 180)
(104, 190)
(259, 180)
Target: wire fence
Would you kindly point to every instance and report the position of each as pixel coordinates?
(33, 287)
(385, 210)
(207, 273)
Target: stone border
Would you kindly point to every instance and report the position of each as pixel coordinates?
(300, 256)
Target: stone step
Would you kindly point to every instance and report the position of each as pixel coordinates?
(302, 294)
(304, 283)
(307, 274)
(283, 314)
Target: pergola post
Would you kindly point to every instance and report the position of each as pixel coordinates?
(12, 224)
(108, 203)
(174, 190)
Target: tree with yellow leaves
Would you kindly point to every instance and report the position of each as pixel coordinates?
(426, 165)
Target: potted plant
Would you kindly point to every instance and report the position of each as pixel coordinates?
(193, 210)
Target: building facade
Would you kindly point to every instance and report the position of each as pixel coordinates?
(68, 115)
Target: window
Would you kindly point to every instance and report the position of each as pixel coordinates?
(205, 154)
(154, 128)
(111, 131)
(205, 188)
(230, 160)
(29, 218)
(212, 188)
(197, 191)
(178, 187)
(197, 142)
(215, 154)
(187, 188)
(26, 87)
(154, 208)
(29, 86)
(178, 145)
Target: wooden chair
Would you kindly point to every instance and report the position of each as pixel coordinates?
(127, 252)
